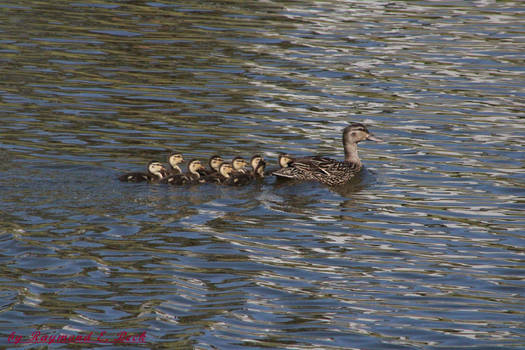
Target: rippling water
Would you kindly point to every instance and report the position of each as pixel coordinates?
(423, 250)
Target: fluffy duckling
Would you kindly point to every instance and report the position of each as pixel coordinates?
(191, 177)
(259, 170)
(258, 164)
(222, 176)
(284, 160)
(174, 160)
(155, 173)
(239, 164)
(228, 176)
(214, 163)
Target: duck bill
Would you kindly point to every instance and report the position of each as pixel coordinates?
(374, 138)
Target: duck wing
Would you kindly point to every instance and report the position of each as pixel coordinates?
(322, 169)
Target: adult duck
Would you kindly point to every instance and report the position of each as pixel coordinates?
(327, 170)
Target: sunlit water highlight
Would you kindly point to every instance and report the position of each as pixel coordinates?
(423, 250)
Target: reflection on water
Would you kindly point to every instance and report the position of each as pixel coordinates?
(422, 250)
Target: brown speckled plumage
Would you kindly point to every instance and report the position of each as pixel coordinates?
(326, 170)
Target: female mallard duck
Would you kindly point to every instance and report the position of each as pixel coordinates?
(214, 163)
(326, 170)
(174, 160)
(191, 177)
(155, 173)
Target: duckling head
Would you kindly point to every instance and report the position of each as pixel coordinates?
(215, 162)
(156, 168)
(357, 132)
(225, 170)
(238, 163)
(256, 159)
(175, 159)
(194, 166)
(285, 160)
(259, 170)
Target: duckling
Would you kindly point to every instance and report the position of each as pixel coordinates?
(258, 164)
(155, 173)
(239, 164)
(228, 176)
(214, 163)
(254, 162)
(326, 170)
(191, 177)
(284, 160)
(259, 170)
(224, 174)
(174, 160)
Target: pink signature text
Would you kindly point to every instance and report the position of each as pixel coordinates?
(38, 337)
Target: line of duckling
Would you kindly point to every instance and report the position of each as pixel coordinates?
(325, 170)
(234, 173)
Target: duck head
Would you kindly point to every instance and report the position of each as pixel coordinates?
(238, 163)
(215, 162)
(357, 132)
(156, 168)
(284, 160)
(175, 159)
(256, 159)
(194, 166)
(225, 170)
(259, 170)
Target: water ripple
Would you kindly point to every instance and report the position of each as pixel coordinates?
(424, 249)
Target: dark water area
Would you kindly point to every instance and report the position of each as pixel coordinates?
(423, 250)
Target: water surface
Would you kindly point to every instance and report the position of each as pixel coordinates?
(423, 250)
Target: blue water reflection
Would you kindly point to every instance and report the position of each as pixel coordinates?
(422, 250)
